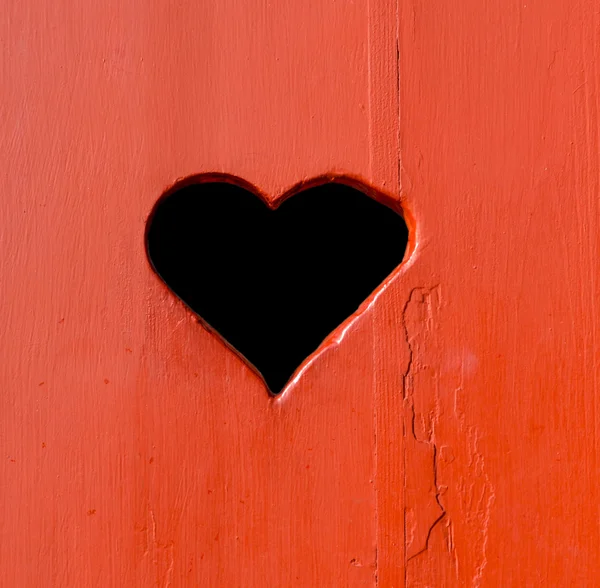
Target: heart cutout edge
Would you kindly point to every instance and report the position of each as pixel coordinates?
(334, 338)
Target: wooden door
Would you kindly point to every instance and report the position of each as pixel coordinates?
(445, 435)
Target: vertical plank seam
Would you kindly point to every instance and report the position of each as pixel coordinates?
(404, 435)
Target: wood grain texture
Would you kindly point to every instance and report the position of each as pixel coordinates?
(444, 436)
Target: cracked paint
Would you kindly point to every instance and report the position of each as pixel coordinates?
(448, 494)
(423, 509)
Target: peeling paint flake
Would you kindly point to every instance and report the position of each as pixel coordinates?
(448, 495)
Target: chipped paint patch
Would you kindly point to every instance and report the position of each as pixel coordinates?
(448, 494)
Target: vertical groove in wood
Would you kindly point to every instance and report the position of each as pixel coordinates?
(391, 358)
(387, 387)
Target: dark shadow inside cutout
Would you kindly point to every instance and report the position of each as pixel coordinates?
(274, 283)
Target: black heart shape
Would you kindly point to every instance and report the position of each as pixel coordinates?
(274, 280)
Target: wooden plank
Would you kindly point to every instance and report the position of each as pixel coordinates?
(139, 450)
(499, 119)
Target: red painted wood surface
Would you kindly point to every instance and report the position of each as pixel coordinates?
(445, 436)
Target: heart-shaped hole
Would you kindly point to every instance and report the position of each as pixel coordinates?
(274, 280)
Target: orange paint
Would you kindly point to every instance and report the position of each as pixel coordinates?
(445, 436)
